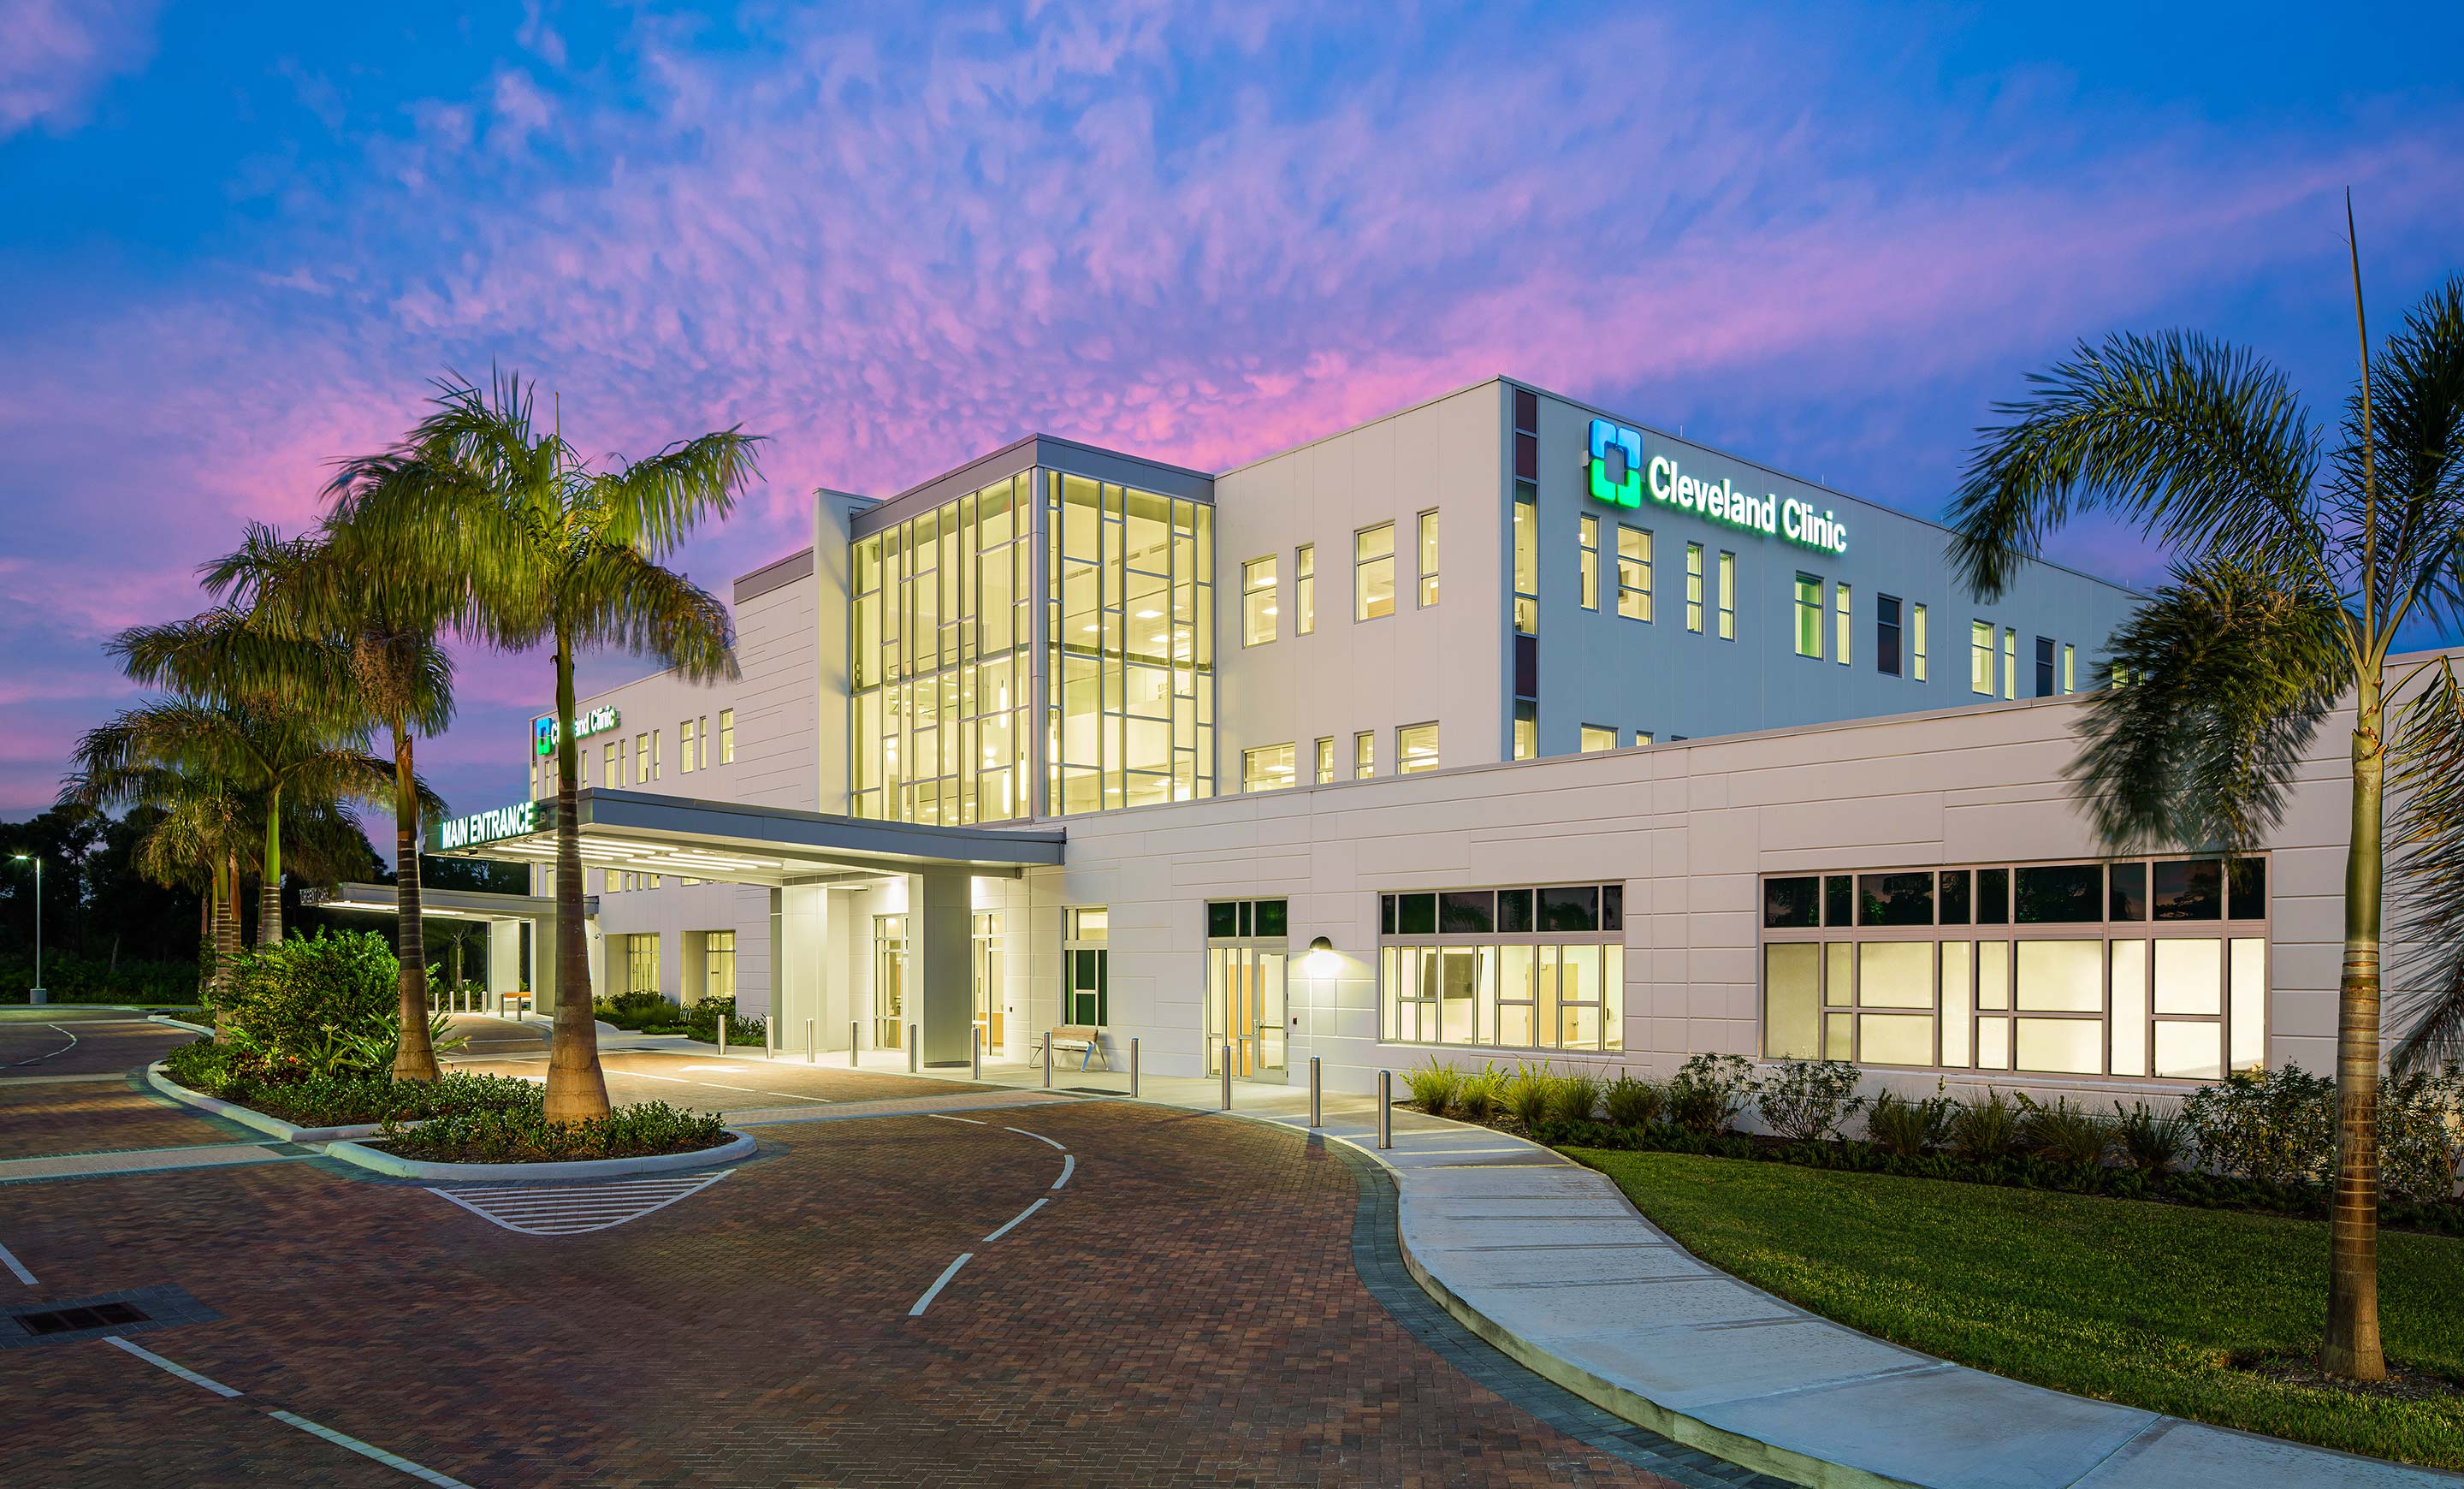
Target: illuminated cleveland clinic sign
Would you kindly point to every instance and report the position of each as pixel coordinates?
(1721, 501)
(599, 720)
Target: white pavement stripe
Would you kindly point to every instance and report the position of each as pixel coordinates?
(1068, 1166)
(972, 1122)
(715, 1086)
(1014, 1221)
(62, 1049)
(940, 1282)
(575, 1212)
(9, 1258)
(180, 1370)
(427, 1476)
(793, 1096)
(1037, 1136)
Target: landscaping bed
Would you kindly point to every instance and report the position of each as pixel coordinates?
(649, 1013)
(340, 1100)
(649, 1129)
(2188, 1311)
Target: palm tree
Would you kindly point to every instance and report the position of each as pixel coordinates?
(557, 554)
(2293, 576)
(196, 838)
(381, 612)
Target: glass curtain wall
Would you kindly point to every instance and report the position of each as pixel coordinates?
(942, 629)
(1131, 648)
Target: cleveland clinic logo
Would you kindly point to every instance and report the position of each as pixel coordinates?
(1623, 481)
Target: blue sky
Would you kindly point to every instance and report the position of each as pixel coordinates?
(243, 237)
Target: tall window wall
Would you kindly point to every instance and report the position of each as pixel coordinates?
(944, 627)
(1538, 967)
(1132, 646)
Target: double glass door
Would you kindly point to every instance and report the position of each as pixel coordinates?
(987, 957)
(1245, 1008)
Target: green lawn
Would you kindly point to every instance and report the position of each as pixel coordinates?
(2125, 1299)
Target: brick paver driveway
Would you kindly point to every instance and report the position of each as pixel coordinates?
(1185, 1309)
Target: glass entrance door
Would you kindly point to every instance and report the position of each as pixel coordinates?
(1244, 1004)
(890, 982)
(988, 982)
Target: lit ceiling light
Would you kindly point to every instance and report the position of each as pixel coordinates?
(1150, 614)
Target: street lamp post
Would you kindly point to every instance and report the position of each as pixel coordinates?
(36, 994)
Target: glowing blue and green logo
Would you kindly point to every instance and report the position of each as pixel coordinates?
(1720, 501)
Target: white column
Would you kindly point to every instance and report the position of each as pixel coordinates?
(504, 960)
(941, 961)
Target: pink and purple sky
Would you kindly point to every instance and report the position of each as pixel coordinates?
(240, 239)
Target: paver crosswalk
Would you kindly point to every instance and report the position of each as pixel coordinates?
(575, 1210)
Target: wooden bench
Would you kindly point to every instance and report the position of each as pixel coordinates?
(1084, 1040)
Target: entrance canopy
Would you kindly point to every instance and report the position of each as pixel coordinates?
(639, 831)
(452, 904)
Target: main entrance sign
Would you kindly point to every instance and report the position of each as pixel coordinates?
(1722, 501)
(599, 720)
(496, 823)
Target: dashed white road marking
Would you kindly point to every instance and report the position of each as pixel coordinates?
(793, 1096)
(1014, 1219)
(577, 1211)
(1037, 1136)
(8, 1258)
(1068, 1166)
(940, 1282)
(390, 1460)
(62, 1049)
(180, 1370)
(969, 1120)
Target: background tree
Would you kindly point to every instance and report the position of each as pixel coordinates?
(561, 555)
(2293, 577)
(381, 612)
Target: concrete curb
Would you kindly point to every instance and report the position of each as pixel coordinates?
(382, 1162)
(249, 1116)
(178, 1023)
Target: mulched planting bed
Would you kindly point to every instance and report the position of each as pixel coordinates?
(648, 1130)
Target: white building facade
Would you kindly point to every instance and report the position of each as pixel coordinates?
(1572, 740)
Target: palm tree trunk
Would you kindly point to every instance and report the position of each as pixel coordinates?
(577, 1089)
(414, 1052)
(206, 938)
(226, 920)
(2352, 1346)
(269, 893)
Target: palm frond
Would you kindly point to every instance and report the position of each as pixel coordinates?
(2230, 675)
(2426, 980)
(2417, 424)
(651, 504)
(616, 597)
(2201, 445)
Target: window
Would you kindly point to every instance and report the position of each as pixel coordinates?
(1589, 594)
(1643, 736)
(641, 759)
(1526, 558)
(1598, 737)
(1526, 435)
(1980, 659)
(1694, 587)
(1809, 617)
(1304, 589)
(1248, 919)
(1326, 760)
(2115, 991)
(1841, 606)
(641, 963)
(1416, 748)
(1634, 572)
(701, 733)
(1086, 994)
(1526, 729)
(718, 965)
(2069, 678)
(1364, 754)
(2044, 666)
(685, 744)
(1917, 642)
(1267, 769)
(1886, 634)
(1728, 596)
(1257, 601)
(1372, 572)
(1532, 967)
(2009, 662)
(1428, 559)
(611, 767)
(727, 736)
(658, 762)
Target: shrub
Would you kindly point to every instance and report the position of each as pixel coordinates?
(295, 997)
(1577, 1097)
(1434, 1086)
(1530, 1095)
(344, 1100)
(2154, 1141)
(701, 1021)
(1708, 1091)
(2065, 1133)
(1806, 1101)
(2275, 1126)
(526, 1136)
(2420, 1116)
(1477, 1098)
(1899, 1125)
(1985, 1129)
(1631, 1102)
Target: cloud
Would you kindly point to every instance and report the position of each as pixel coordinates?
(55, 54)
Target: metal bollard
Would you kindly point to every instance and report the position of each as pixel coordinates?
(1133, 1067)
(1048, 1059)
(911, 1048)
(722, 1036)
(812, 1042)
(975, 1053)
(855, 1027)
(1227, 1074)
(1315, 1114)
(1385, 1108)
